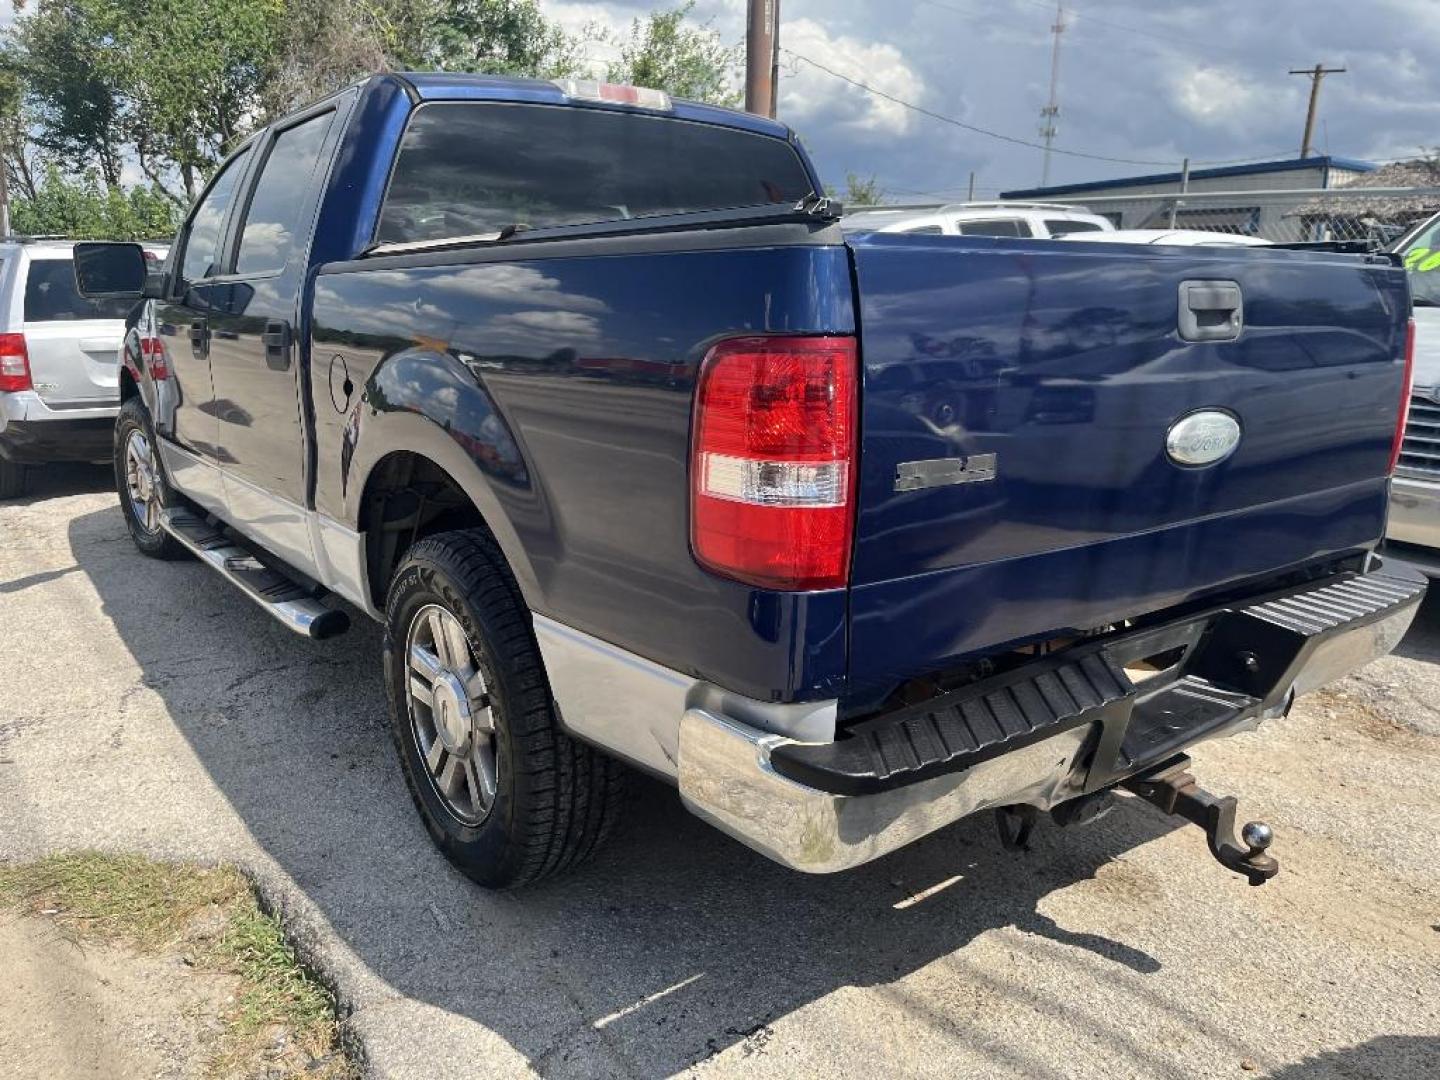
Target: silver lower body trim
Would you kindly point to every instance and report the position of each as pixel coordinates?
(632, 706)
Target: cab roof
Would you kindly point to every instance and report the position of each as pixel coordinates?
(453, 86)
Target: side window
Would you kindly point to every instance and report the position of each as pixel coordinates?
(993, 227)
(272, 221)
(1062, 226)
(202, 243)
(928, 230)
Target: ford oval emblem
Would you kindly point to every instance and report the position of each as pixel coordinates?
(1202, 438)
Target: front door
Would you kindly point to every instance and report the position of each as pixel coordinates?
(255, 364)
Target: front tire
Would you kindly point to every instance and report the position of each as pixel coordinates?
(13, 479)
(141, 484)
(506, 795)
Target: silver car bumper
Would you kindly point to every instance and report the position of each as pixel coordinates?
(1415, 520)
(760, 788)
(29, 407)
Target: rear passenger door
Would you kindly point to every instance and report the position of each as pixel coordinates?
(254, 357)
(73, 341)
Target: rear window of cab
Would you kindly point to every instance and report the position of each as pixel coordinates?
(475, 168)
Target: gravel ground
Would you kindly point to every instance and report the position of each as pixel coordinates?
(149, 707)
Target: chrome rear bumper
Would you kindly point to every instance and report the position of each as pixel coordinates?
(824, 807)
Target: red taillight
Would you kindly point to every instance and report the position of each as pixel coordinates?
(773, 467)
(14, 363)
(153, 350)
(1404, 396)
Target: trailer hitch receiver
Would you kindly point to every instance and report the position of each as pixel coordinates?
(1174, 790)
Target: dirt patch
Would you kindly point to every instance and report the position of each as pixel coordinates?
(1353, 701)
(96, 1010)
(118, 966)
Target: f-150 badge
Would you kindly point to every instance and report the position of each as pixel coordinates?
(938, 472)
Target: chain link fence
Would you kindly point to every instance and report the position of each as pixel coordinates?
(1286, 216)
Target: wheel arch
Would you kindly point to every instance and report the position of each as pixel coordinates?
(129, 388)
(410, 492)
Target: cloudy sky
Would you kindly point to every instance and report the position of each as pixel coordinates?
(1148, 80)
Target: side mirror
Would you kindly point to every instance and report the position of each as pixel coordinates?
(111, 271)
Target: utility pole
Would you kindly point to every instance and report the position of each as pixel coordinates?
(4, 199)
(1051, 111)
(762, 39)
(1184, 187)
(1317, 76)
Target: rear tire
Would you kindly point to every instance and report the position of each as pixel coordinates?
(516, 799)
(141, 483)
(13, 479)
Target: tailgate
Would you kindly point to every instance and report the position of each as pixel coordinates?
(1066, 363)
(73, 342)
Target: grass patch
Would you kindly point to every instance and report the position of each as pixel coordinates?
(283, 1020)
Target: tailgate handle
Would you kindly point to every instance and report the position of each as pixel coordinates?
(1211, 310)
(198, 333)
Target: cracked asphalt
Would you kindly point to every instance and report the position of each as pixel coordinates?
(148, 707)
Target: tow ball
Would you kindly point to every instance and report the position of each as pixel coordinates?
(1174, 790)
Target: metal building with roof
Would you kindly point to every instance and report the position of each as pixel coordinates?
(1137, 202)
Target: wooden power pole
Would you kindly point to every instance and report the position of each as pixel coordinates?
(1317, 76)
(762, 35)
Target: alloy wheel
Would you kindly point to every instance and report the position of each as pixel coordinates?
(450, 711)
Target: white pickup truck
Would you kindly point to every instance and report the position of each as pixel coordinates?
(1414, 529)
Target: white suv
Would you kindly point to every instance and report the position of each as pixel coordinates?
(1042, 221)
(59, 355)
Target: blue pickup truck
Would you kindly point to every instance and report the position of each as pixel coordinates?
(584, 394)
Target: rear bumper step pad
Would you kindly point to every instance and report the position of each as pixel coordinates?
(1233, 664)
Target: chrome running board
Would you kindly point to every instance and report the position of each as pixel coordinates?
(295, 606)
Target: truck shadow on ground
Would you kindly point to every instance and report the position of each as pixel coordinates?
(64, 478)
(674, 944)
(1389, 1056)
(1423, 640)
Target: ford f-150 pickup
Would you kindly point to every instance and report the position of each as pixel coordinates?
(583, 393)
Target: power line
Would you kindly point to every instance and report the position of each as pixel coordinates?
(1266, 156)
(960, 123)
(1082, 17)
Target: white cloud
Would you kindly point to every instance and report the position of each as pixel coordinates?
(1217, 96)
(806, 93)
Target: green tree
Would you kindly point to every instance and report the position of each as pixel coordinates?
(663, 52)
(171, 86)
(60, 54)
(497, 36)
(862, 191)
(16, 156)
(192, 75)
(83, 208)
(176, 82)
